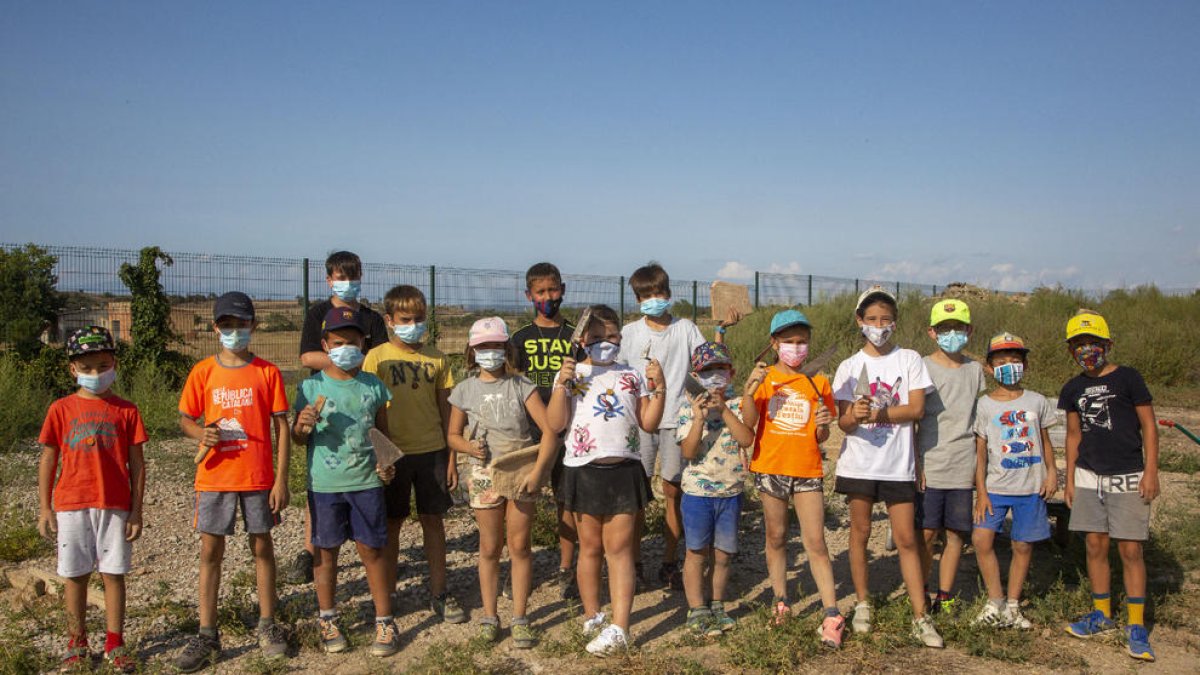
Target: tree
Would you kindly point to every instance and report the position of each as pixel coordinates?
(150, 309)
(29, 303)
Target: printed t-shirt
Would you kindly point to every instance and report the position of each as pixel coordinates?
(717, 469)
(672, 347)
(1013, 430)
(240, 401)
(785, 442)
(413, 378)
(945, 440)
(1112, 434)
(540, 352)
(604, 405)
(341, 457)
(375, 328)
(880, 451)
(93, 437)
(499, 409)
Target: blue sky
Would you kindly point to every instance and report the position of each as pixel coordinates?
(1008, 144)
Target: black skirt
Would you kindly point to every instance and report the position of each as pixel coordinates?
(605, 489)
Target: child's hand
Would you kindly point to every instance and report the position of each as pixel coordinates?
(477, 449)
(386, 473)
(133, 526)
(861, 410)
(452, 477)
(732, 317)
(823, 416)
(756, 378)
(211, 436)
(921, 480)
(1069, 492)
(745, 457)
(567, 372)
(983, 507)
(698, 404)
(532, 484)
(654, 373)
(278, 499)
(47, 525)
(1050, 485)
(307, 418)
(1148, 488)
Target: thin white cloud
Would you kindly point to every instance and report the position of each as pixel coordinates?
(1003, 268)
(792, 267)
(735, 270)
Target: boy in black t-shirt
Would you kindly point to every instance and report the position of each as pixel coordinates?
(1112, 474)
(541, 346)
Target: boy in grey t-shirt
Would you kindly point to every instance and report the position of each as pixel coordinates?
(946, 445)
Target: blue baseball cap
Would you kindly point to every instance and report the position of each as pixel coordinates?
(788, 318)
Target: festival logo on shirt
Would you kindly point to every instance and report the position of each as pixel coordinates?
(1016, 453)
(1093, 408)
(788, 410)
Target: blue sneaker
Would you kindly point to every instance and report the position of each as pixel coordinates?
(1139, 642)
(1093, 623)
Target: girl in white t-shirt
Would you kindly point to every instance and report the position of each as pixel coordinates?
(880, 392)
(604, 404)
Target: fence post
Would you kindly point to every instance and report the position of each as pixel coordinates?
(305, 295)
(694, 314)
(897, 289)
(810, 289)
(432, 318)
(755, 289)
(621, 296)
(856, 286)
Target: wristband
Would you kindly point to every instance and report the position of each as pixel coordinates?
(720, 330)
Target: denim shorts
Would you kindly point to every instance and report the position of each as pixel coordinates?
(337, 516)
(939, 509)
(711, 521)
(1029, 519)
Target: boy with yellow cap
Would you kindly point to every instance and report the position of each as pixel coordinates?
(1112, 474)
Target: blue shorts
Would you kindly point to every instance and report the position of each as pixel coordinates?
(711, 521)
(939, 509)
(1029, 519)
(338, 516)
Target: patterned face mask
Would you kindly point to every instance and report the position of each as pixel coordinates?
(793, 355)
(347, 291)
(1091, 357)
(878, 335)
(1009, 373)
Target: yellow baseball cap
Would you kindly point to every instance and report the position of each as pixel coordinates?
(1088, 323)
(949, 310)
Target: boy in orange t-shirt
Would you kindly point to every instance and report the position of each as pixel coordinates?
(791, 414)
(97, 499)
(229, 405)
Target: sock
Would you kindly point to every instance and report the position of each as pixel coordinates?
(943, 595)
(520, 621)
(208, 631)
(999, 603)
(1136, 608)
(265, 621)
(383, 619)
(112, 641)
(717, 604)
(77, 641)
(1103, 602)
(490, 621)
(327, 614)
(832, 611)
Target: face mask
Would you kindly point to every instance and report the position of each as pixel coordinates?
(97, 384)
(547, 308)
(655, 306)
(1009, 373)
(878, 335)
(713, 379)
(489, 359)
(347, 291)
(410, 333)
(235, 339)
(1091, 357)
(792, 355)
(346, 357)
(952, 341)
(603, 353)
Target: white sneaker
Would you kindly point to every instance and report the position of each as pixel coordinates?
(611, 640)
(991, 617)
(923, 630)
(595, 624)
(862, 618)
(1015, 618)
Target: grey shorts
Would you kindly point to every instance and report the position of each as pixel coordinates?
(662, 446)
(216, 512)
(783, 487)
(1110, 504)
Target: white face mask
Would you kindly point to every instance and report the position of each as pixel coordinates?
(878, 335)
(235, 339)
(713, 379)
(97, 384)
(489, 359)
(603, 353)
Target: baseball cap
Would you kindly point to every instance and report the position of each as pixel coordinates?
(1088, 323)
(234, 303)
(949, 310)
(90, 340)
(487, 329)
(872, 292)
(710, 354)
(788, 318)
(1004, 341)
(341, 317)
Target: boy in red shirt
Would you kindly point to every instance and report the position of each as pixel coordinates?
(97, 499)
(229, 405)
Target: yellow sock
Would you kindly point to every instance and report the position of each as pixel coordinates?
(1103, 602)
(1137, 609)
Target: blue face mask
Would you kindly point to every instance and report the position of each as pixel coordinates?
(410, 333)
(97, 384)
(603, 353)
(1009, 373)
(655, 306)
(346, 357)
(347, 291)
(952, 341)
(235, 339)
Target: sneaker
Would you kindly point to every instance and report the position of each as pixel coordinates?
(122, 659)
(1139, 642)
(781, 613)
(700, 622)
(595, 624)
(300, 571)
(991, 616)
(272, 640)
(332, 640)
(489, 631)
(387, 639)
(670, 576)
(1092, 623)
(1015, 618)
(923, 630)
(199, 653)
(564, 580)
(862, 618)
(523, 636)
(77, 659)
(611, 640)
(723, 620)
(448, 608)
(831, 631)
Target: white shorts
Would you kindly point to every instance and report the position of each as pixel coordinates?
(92, 539)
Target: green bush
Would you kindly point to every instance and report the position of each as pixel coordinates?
(26, 399)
